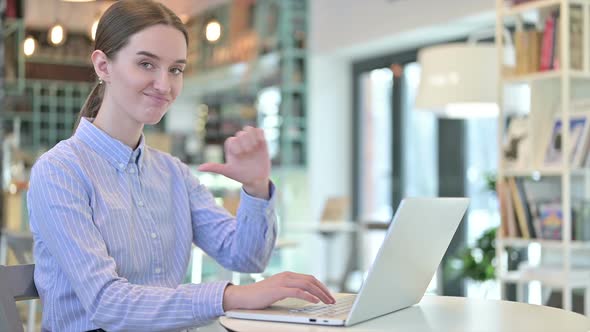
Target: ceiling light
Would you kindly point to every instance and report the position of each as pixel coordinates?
(57, 35)
(213, 31)
(29, 46)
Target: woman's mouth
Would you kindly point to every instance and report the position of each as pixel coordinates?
(157, 100)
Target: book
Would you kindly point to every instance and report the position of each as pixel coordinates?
(575, 39)
(527, 45)
(551, 220)
(520, 209)
(548, 44)
(509, 227)
(526, 206)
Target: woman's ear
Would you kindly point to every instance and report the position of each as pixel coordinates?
(100, 61)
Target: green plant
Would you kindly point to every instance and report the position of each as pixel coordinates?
(476, 262)
(490, 179)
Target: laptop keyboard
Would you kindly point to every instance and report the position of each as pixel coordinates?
(342, 306)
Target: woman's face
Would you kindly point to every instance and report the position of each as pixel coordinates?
(146, 74)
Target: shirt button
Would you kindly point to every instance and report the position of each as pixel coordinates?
(122, 166)
(132, 170)
(158, 270)
(140, 203)
(154, 235)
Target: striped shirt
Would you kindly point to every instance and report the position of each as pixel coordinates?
(113, 229)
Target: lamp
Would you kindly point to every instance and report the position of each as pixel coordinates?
(29, 46)
(56, 35)
(460, 80)
(213, 30)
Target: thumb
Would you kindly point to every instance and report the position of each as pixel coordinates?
(213, 168)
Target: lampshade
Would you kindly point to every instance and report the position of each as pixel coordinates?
(458, 80)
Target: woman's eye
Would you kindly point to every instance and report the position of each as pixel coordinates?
(146, 65)
(176, 71)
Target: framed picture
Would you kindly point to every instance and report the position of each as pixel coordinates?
(579, 128)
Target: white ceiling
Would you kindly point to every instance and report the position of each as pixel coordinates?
(79, 16)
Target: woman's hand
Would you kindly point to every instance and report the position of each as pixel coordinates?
(247, 161)
(278, 287)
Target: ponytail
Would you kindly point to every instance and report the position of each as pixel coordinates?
(92, 104)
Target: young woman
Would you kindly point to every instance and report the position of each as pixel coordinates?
(113, 220)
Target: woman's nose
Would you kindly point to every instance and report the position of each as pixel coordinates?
(162, 83)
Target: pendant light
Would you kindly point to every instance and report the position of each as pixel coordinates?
(29, 46)
(56, 35)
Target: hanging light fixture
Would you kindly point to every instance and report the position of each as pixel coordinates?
(460, 80)
(57, 35)
(213, 31)
(29, 46)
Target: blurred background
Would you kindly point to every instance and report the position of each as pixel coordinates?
(362, 103)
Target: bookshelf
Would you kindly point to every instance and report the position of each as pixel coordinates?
(542, 172)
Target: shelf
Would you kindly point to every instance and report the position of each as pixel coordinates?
(557, 244)
(535, 173)
(536, 5)
(548, 277)
(545, 75)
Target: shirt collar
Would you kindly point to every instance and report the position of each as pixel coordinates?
(114, 151)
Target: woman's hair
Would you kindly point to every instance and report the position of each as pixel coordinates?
(122, 20)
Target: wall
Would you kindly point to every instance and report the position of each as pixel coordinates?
(345, 31)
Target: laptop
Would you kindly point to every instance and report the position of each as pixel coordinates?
(416, 240)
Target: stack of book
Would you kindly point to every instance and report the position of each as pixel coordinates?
(550, 49)
(524, 216)
(540, 50)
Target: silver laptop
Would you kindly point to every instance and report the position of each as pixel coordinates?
(414, 245)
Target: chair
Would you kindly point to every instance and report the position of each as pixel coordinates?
(20, 245)
(335, 220)
(16, 284)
